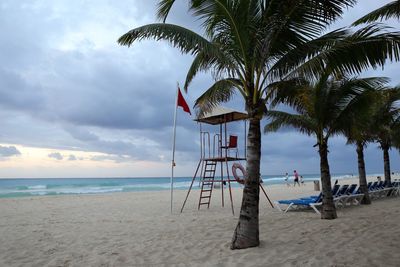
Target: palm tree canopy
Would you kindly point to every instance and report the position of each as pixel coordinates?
(386, 116)
(391, 10)
(322, 107)
(357, 124)
(250, 43)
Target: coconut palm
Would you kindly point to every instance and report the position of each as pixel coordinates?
(390, 10)
(384, 123)
(322, 108)
(249, 43)
(396, 135)
(357, 129)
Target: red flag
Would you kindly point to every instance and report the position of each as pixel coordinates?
(182, 103)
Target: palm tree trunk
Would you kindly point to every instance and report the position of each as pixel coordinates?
(386, 164)
(362, 175)
(247, 233)
(328, 207)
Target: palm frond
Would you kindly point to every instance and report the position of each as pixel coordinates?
(281, 119)
(221, 91)
(391, 10)
(163, 9)
(354, 107)
(184, 39)
(218, 62)
(289, 92)
(292, 24)
(344, 53)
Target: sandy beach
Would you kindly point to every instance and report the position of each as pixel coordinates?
(137, 229)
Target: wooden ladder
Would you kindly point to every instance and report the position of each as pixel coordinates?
(207, 183)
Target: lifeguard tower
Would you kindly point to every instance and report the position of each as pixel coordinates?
(217, 149)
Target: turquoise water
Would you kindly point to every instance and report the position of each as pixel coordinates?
(75, 186)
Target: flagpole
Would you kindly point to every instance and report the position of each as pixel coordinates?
(173, 146)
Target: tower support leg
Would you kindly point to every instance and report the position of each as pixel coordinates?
(191, 184)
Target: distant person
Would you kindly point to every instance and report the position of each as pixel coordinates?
(287, 180)
(296, 178)
(379, 178)
(301, 180)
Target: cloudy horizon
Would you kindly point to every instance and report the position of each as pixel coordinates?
(73, 103)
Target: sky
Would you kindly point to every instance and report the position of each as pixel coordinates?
(73, 103)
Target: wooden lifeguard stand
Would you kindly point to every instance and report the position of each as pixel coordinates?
(214, 151)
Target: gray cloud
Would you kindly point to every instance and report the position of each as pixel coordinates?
(56, 155)
(72, 158)
(10, 151)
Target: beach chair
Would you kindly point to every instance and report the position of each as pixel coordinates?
(373, 190)
(380, 189)
(311, 202)
(395, 188)
(351, 196)
(342, 191)
(386, 189)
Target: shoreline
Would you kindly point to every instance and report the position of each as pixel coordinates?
(16, 188)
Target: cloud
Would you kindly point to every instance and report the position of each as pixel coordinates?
(9, 151)
(72, 157)
(56, 155)
(114, 158)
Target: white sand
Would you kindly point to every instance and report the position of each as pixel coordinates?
(136, 229)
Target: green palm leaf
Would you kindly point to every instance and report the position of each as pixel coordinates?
(281, 119)
(186, 40)
(342, 52)
(220, 92)
(391, 10)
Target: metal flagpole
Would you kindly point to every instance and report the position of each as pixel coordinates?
(173, 147)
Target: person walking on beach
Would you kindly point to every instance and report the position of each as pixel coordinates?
(296, 178)
(287, 180)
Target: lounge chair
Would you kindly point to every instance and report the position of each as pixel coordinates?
(395, 188)
(351, 196)
(380, 189)
(311, 202)
(342, 191)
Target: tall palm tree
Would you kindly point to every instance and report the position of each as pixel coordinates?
(396, 134)
(385, 117)
(357, 129)
(249, 43)
(321, 109)
(390, 10)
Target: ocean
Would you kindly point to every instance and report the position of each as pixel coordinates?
(74, 186)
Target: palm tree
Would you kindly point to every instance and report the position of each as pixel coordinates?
(357, 129)
(250, 43)
(385, 119)
(396, 134)
(322, 109)
(391, 10)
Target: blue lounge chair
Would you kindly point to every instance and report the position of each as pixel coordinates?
(351, 190)
(342, 191)
(351, 196)
(311, 201)
(305, 202)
